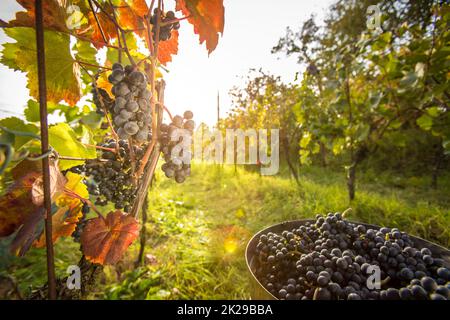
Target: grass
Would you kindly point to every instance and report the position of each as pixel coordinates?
(197, 231)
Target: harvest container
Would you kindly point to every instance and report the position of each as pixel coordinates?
(258, 292)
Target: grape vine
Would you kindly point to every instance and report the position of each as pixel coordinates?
(94, 162)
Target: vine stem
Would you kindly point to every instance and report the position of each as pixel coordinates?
(91, 65)
(97, 21)
(149, 173)
(78, 159)
(44, 148)
(168, 112)
(152, 145)
(174, 20)
(84, 200)
(100, 147)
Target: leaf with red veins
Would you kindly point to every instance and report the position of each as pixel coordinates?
(207, 17)
(105, 240)
(168, 48)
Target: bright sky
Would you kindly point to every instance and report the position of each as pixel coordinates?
(252, 28)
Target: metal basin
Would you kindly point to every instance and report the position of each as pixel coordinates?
(260, 293)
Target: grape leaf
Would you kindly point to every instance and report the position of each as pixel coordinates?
(93, 120)
(64, 223)
(105, 240)
(32, 227)
(54, 15)
(107, 26)
(139, 7)
(207, 17)
(130, 17)
(17, 124)
(69, 209)
(18, 211)
(74, 17)
(63, 75)
(64, 140)
(425, 122)
(16, 204)
(104, 84)
(85, 52)
(168, 48)
(31, 111)
(57, 182)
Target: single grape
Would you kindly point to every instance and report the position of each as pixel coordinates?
(117, 66)
(131, 128)
(188, 115)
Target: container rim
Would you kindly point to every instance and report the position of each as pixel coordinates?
(251, 245)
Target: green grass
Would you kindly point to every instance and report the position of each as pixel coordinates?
(197, 231)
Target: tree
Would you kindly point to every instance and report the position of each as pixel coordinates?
(265, 103)
(361, 86)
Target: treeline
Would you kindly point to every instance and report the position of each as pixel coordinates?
(368, 95)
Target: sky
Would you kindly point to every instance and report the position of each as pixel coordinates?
(252, 28)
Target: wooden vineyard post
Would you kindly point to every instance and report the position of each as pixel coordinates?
(44, 149)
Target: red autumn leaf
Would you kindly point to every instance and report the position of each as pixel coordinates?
(138, 6)
(107, 26)
(57, 182)
(64, 223)
(32, 227)
(24, 198)
(16, 204)
(67, 209)
(54, 15)
(105, 240)
(207, 17)
(168, 48)
(63, 16)
(129, 16)
(25, 166)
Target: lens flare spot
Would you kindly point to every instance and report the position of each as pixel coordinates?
(230, 245)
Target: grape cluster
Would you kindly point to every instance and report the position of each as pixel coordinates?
(332, 259)
(111, 175)
(131, 110)
(165, 31)
(81, 222)
(171, 136)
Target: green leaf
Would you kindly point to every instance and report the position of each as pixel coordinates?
(399, 139)
(434, 112)
(338, 146)
(62, 72)
(446, 145)
(112, 55)
(305, 140)
(93, 120)
(374, 99)
(305, 157)
(382, 41)
(425, 122)
(85, 52)
(19, 126)
(362, 132)
(31, 111)
(64, 140)
(409, 80)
